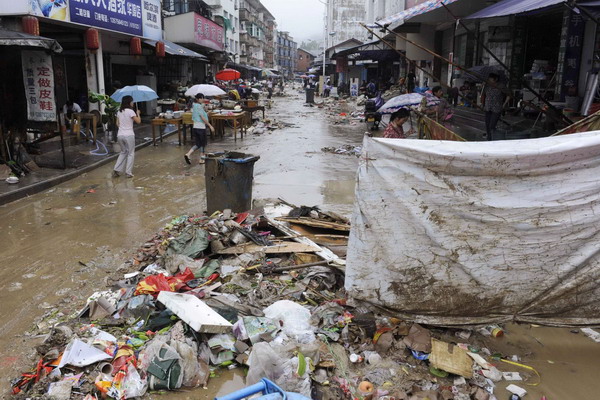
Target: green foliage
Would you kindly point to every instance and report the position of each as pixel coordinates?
(111, 107)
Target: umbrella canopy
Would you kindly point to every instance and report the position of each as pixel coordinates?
(303, 76)
(402, 101)
(312, 76)
(138, 92)
(228, 74)
(481, 73)
(408, 100)
(265, 73)
(206, 90)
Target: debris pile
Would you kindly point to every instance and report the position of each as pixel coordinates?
(261, 291)
(266, 126)
(347, 150)
(393, 91)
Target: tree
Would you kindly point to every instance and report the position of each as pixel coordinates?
(311, 45)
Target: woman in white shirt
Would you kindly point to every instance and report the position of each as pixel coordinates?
(126, 137)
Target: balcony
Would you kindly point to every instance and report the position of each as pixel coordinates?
(214, 4)
(245, 15)
(244, 37)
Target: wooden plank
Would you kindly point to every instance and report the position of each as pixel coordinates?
(316, 223)
(272, 212)
(280, 248)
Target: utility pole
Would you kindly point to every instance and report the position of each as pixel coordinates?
(325, 35)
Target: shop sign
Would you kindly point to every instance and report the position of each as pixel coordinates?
(117, 15)
(134, 17)
(207, 33)
(570, 52)
(38, 78)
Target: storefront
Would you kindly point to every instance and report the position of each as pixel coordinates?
(199, 34)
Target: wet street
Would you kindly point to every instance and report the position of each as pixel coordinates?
(59, 246)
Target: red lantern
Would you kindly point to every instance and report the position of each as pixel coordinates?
(92, 39)
(160, 49)
(31, 25)
(135, 46)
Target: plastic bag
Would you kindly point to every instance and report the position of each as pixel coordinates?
(165, 371)
(192, 374)
(150, 351)
(133, 385)
(295, 318)
(264, 362)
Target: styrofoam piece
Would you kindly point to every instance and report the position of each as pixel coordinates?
(195, 313)
(519, 391)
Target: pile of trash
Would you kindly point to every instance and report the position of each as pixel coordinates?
(266, 126)
(261, 291)
(347, 150)
(393, 91)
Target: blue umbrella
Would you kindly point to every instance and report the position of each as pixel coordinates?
(138, 92)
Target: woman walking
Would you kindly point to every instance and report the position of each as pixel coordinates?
(200, 119)
(126, 137)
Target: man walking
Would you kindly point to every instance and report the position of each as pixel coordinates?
(494, 98)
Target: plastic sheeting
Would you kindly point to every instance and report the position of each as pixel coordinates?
(454, 233)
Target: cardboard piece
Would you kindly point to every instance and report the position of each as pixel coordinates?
(195, 312)
(418, 339)
(451, 358)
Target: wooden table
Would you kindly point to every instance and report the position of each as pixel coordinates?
(160, 122)
(90, 119)
(238, 119)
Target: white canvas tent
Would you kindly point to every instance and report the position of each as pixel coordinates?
(457, 233)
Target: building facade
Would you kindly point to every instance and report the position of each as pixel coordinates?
(257, 27)
(286, 53)
(343, 18)
(304, 59)
(227, 14)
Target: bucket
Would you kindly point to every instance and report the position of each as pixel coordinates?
(229, 177)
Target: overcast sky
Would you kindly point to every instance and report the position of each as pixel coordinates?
(302, 18)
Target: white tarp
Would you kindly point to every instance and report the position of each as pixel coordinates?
(457, 233)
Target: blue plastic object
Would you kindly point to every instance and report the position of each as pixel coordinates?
(269, 390)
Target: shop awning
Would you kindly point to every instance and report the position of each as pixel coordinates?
(511, 7)
(13, 38)
(176, 50)
(422, 8)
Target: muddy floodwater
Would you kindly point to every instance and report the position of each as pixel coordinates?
(59, 246)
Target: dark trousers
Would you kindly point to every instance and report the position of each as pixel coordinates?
(491, 120)
(199, 139)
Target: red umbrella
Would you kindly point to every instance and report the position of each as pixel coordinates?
(228, 74)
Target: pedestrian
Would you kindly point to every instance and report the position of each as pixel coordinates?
(494, 98)
(270, 89)
(394, 130)
(443, 109)
(411, 81)
(371, 88)
(200, 119)
(126, 137)
(69, 109)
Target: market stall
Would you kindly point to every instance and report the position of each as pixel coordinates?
(29, 59)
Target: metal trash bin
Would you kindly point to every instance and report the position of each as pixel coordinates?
(229, 178)
(310, 96)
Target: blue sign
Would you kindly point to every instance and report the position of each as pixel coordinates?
(117, 15)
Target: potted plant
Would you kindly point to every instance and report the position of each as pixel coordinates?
(110, 108)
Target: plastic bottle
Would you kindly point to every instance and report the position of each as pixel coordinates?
(514, 397)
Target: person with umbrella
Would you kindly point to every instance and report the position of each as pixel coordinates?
(494, 98)
(394, 130)
(126, 137)
(200, 119)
